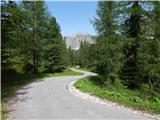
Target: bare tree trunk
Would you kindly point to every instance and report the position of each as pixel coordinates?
(34, 44)
(150, 84)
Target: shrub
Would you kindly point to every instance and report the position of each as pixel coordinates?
(155, 99)
(28, 68)
(136, 99)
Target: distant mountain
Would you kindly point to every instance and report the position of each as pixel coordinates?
(74, 40)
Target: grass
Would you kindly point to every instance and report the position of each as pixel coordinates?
(85, 69)
(64, 73)
(8, 88)
(122, 96)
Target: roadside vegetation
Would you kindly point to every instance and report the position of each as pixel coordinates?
(84, 69)
(32, 46)
(65, 72)
(137, 99)
(126, 54)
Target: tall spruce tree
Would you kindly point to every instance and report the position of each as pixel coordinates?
(130, 69)
(83, 54)
(9, 10)
(107, 44)
(152, 51)
(157, 36)
(7, 28)
(103, 23)
(53, 49)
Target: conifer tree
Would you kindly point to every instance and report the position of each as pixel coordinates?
(151, 61)
(53, 50)
(130, 69)
(107, 44)
(83, 54)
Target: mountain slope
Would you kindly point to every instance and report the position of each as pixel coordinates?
(74, 40)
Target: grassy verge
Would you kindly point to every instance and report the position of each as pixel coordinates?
(122, 96)
(64, 73)
(8, 88)
(85, 69)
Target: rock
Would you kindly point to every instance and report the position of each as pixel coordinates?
(74, 40)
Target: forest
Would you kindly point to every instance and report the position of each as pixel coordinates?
(127, 46)
(126, 54)
(31, 39)
(31, 45)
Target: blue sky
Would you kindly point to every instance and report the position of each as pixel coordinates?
(72, 16)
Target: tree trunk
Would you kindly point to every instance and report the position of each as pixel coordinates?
(150, 84)
(34, 44)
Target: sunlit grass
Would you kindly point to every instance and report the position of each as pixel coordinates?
(122, 96)
(64, 73)
(85, 69)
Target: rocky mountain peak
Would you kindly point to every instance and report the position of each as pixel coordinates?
(74, 40)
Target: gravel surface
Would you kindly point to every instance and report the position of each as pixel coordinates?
(56, 98)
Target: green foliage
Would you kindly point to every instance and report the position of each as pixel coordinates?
(31, 40)
(150, 62)
(53, 49)
(87, 55)
(126, 97)
(85, 69)
(130, 68)
(8, 25)
(127, 54)
(28, 68)
(31, 36)
(108, 43)
(103, 23)
(128, 43)
(108, 54)
(84, 54)
(73, 56)
(136, 99)
(65, 72)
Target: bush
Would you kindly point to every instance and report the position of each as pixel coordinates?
(135, 99)
(124, 96)
(114, 94)
(28, 68)
(112, 80)
(155, 99)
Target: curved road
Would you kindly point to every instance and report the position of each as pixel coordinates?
(50, 99)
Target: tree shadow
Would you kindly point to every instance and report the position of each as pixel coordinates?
(15, 84)
(16, 96)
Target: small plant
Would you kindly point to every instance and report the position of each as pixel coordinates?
(136, 99)
(155, 99)
(131, 98)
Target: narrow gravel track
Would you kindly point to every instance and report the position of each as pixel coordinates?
(50, 99)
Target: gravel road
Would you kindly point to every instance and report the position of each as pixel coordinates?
(51, 99)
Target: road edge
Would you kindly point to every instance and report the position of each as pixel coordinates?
(88, 96)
